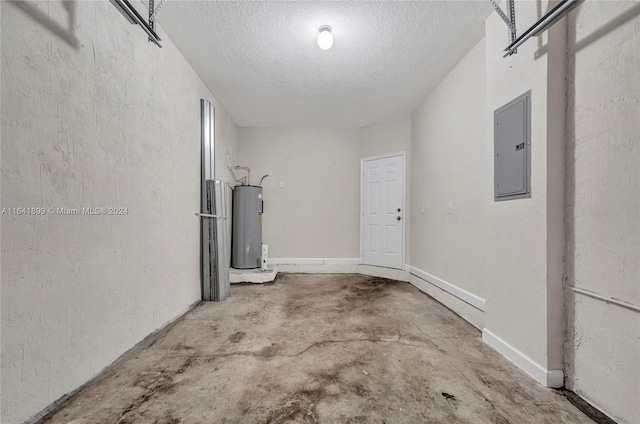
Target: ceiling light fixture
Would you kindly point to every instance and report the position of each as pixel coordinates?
(325, 38)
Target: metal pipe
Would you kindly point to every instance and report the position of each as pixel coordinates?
(208, 215)
(133, 16)
(606, 299)
(547, 20)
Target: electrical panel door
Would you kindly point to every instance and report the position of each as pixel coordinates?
(512, 154)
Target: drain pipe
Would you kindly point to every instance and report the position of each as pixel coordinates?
(244, 168)
(594, 295)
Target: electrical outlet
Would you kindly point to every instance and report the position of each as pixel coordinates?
(281, 184)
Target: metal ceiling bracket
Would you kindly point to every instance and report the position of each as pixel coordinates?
(132, 15)
(157, 9)
(554, 15)
(511, 10)
(510, 20)
(152, 19)
(153, 11)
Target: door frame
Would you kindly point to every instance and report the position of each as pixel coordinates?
(403, 154)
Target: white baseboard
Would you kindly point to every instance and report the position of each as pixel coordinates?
(470, 313)
(316, 265)
(335, 265)
(313, 261)
(453, 290)
(549, 378)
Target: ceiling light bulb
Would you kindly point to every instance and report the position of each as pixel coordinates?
(325, 38)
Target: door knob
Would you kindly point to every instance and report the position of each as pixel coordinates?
(398, 218)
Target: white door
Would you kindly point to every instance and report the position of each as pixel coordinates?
(383, 211)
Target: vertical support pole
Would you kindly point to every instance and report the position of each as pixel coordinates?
(222, 287)
(207, 255)
(211, 289)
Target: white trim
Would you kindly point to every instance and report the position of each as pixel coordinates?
(404, 210)
(361, 211)
(382, 272)
(549, 378)
(471, 314)
(316, 265)
(403, 154)
(313, 261)
(453, 290)
(384, 156)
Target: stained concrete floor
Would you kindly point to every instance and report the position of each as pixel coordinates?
(317, 349)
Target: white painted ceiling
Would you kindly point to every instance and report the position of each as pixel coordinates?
(262, 62)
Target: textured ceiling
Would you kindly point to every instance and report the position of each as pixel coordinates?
(262, 63)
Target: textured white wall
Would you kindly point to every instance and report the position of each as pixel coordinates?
(603, 205)
(509, 253)
(452, 163)
(385, 137)
(316, 213)
(516, 298)
(111, 120)
(524, 267)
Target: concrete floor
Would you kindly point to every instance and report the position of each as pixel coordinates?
(318, 349)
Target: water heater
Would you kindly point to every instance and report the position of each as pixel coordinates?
(246, 240)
